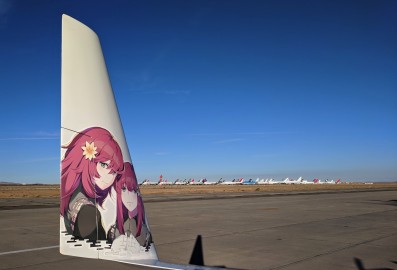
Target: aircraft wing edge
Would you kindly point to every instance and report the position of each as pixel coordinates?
(170, 266)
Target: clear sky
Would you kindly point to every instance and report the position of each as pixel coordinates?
(213, 88)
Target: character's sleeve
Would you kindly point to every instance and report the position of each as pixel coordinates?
(78, 201)
(85, 223)
(145, 238)
(85, 219)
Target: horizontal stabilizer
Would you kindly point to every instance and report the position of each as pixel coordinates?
(197, 257)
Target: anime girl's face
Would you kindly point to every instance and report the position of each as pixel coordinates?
(106, 178)
(129, 198)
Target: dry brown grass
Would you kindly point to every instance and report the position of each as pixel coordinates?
(52, 191)
(29, 191)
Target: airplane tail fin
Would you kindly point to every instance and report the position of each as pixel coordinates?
(96, 221)
(102, 214)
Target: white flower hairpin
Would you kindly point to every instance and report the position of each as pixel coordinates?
(89, 150)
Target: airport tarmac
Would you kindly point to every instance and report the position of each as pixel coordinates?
(298, 231)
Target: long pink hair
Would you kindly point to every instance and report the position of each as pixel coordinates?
(128, 180)
(77, 170)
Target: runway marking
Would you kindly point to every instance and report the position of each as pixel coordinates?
(27, 250)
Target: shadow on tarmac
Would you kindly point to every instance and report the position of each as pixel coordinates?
(360, 265)
(388, 202)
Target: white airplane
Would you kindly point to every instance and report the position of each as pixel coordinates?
(206, 182)
(199, 182)
(219, 181)
(165, 182)
(318, 181)
(262, 181)
(305, 182)
(101, 211)
(302, 181)
(233, 182)
(272, 181)
(268, 181)
(292, 181)
(180, 182)
(147, 182)
(202, 181)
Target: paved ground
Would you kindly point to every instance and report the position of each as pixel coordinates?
(312, 231)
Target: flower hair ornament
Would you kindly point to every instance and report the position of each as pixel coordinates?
(89, 150)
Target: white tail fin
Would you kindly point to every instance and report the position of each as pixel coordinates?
(102, 214)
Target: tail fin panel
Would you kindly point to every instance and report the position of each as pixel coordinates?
(102, 213)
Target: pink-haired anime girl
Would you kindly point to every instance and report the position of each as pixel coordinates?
(130, 212)
(92, 161)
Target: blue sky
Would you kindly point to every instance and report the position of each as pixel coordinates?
(213, 88)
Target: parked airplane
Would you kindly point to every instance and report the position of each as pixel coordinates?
(199, 182)
(317, 181)
(180, 182)
(292, 181)
(250, 182)
(305, 182)
(268, 181)
(101, 211)
(233, 182)
(147, 182)
(273, 182)
(165, 182)
(262, 181)
(191, 181)
(209, 183)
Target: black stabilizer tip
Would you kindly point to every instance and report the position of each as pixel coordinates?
(197, 257)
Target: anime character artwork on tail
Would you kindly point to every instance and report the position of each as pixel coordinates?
(92, 172)
(130, 223)
(90, 166)
(95, 160)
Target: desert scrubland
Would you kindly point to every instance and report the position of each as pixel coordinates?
(53, 191)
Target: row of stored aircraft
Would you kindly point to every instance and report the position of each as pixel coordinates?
(239, 181)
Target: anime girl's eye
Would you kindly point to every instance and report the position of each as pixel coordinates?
(104, 165)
